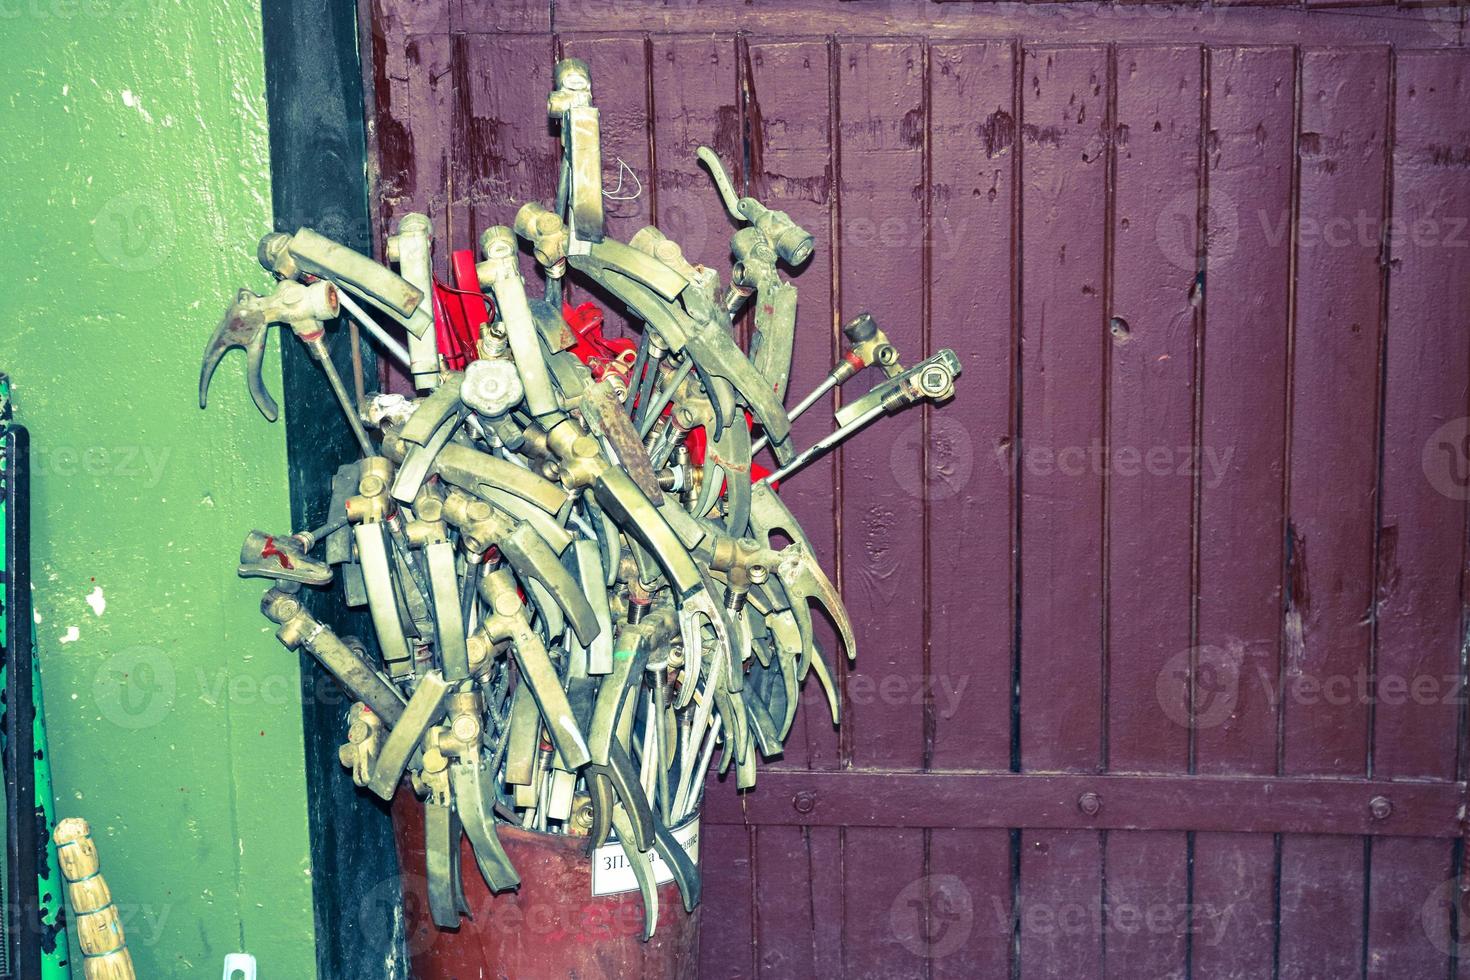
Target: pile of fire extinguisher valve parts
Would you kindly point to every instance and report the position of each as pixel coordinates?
(584, 590)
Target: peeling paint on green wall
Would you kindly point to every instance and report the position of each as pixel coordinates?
(136, 174)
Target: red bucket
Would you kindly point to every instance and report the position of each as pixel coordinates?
(551, 927)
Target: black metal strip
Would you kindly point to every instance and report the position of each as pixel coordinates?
(314, 99)
(21, 907)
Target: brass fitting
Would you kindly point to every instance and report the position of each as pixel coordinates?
(480, 523)
(420, 533)
(581, 460)
(365, 736)
(743, 560)
(650, 241)
(869, 346)
(459, 736)
(573, 87)
(755, 260)
(274, 253)
(372, 502)
(428, 505)
(547, 233)
(498, 245)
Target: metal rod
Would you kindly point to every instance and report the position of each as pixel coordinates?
(398, 352)
(666, 395)
(319, 348)
(828, 383)
(834, 438)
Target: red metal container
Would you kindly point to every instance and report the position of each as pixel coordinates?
(552, 927)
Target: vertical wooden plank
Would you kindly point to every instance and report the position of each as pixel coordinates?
(1421, 542)
(1147, 910)
(1060, 904)
(971, 480)
(1226, 695)
(1421, 537)
(1407, 873)
(430, 78)
(884, 922)
(788, 143)
(1333, 482)
(1234, 905)
(783, 920)
(1150, 464)
(726, 951)
(1151, 368)
(505, 150)
(968, 911)
(882, 125)
(790, 150)
(881, 91)
(1150, 484)
(1243, 416)
(398, 185)
(1321, 907)
(1064, 140)
(1334, 458)
(1062, 337)
(696, 102)
(969, 485)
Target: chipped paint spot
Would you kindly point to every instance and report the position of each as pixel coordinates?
(96, 600)
(71, 635)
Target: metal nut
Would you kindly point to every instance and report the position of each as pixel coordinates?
(1380, 807)
(804, 801)
(1089, 803)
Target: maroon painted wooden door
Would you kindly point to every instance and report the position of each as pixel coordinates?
(1161, 620)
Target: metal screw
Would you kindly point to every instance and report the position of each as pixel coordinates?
(804, 801)
(1089, 803)
(1381, 807)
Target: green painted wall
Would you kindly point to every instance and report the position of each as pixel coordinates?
(134, 169)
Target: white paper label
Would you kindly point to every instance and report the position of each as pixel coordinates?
(612, 875)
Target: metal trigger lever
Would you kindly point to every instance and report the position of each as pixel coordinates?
(244, 325)
(791, 241)
(303, 308)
